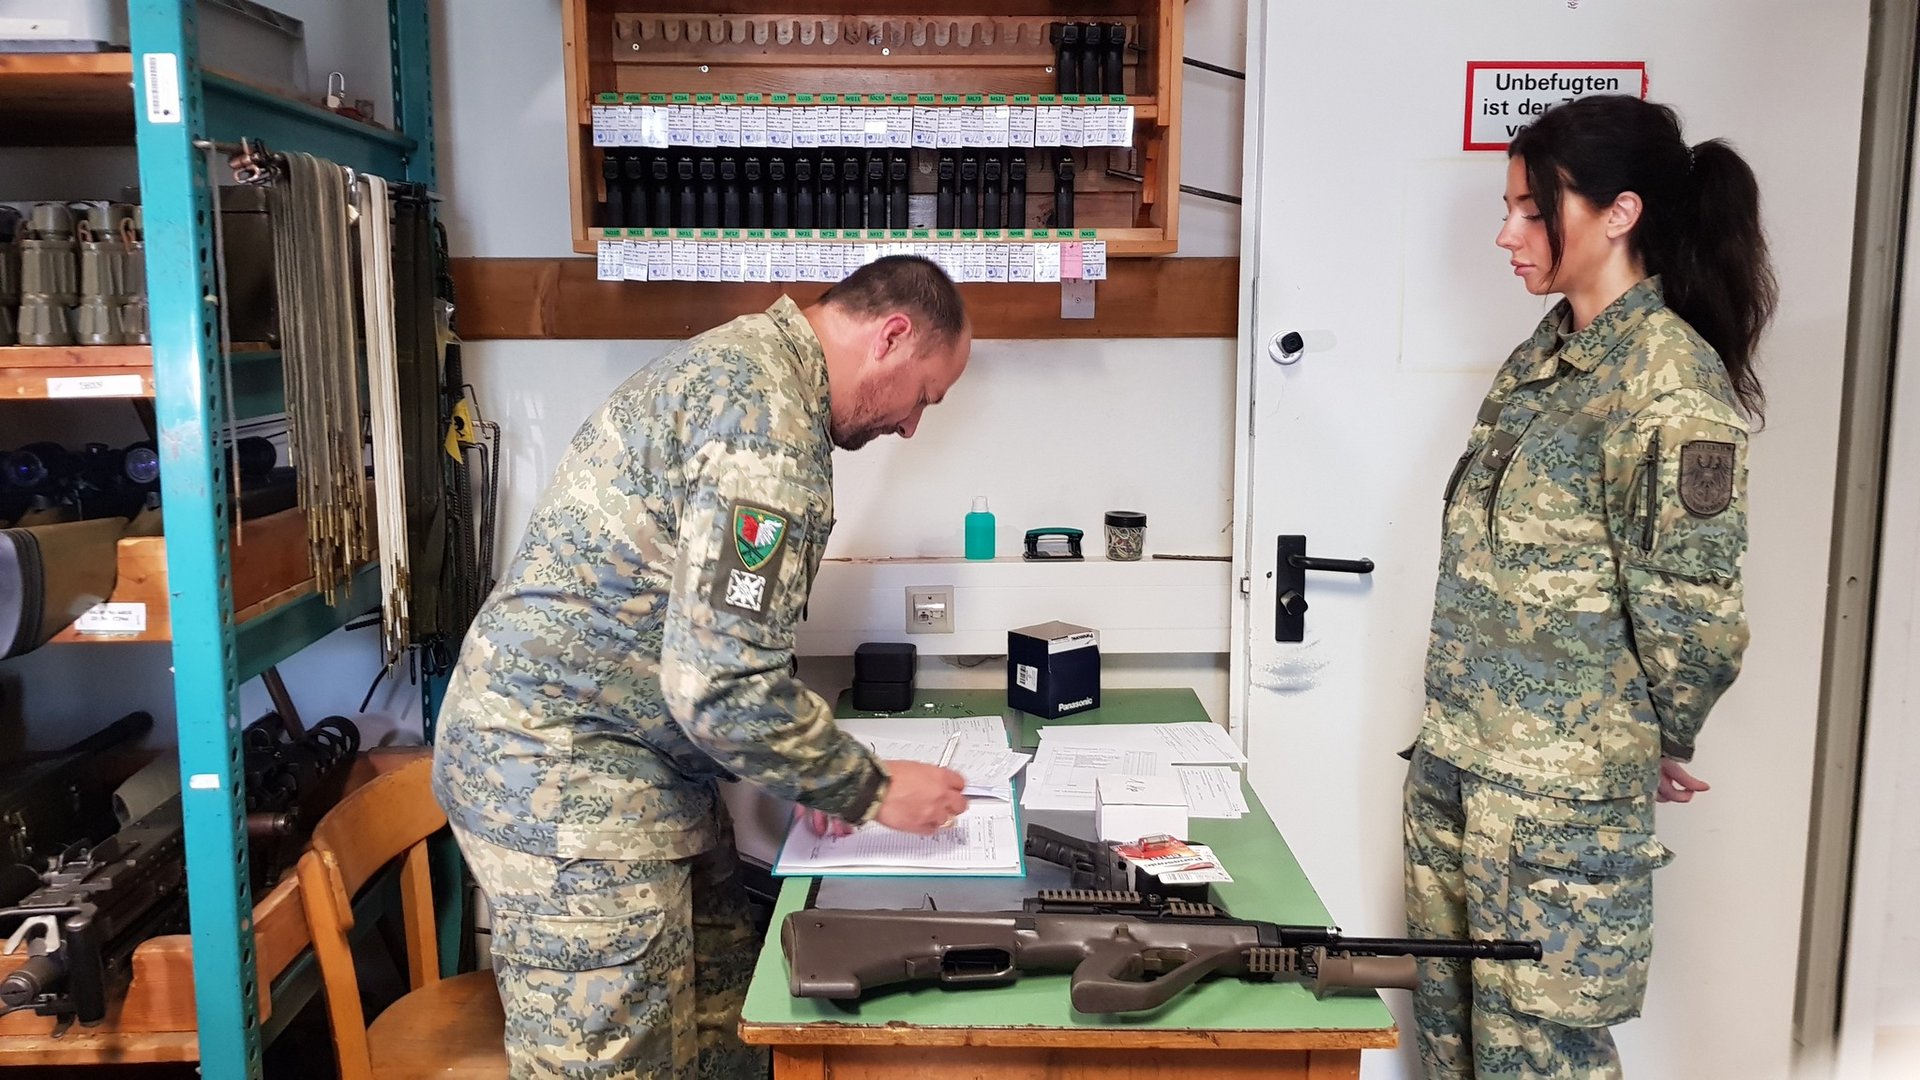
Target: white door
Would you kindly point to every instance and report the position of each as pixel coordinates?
(1369, 231)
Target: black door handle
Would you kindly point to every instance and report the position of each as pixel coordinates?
(1290, 566)
(1331, 566)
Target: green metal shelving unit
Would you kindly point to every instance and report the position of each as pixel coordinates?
(178, 109)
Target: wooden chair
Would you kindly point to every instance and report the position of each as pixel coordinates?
(441, 1027)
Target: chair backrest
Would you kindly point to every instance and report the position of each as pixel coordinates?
(389, 817)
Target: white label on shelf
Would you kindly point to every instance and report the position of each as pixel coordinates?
(627, 126)
(973, 126)
(708, 258)
(1093, 260)
(1073, 126)
(733, 257)
(653, 127)
(759, 262)
(853, 126)
(659, 260)
(204, 781)
(1125, 120)
(998, 119)
(950, 128)
(975, 262)
(612, 263)
(806, 128)
(780, 127)
(603, 125)
(997, 262)
(680, 125)
(1020, 262)
(163, 88)
(1046, 262)
(686, 260)
(1020, 124)
(112, 619)
(753, 126)
(807, 262)
(877, 127)
(74, 386)
(726, 125)
(900, 128)
(1047, 129)
(926, 127)
(633, 260)
(706, 128)
(786, 262)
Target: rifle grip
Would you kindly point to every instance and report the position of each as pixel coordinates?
(1102, 982)
(1338, 973)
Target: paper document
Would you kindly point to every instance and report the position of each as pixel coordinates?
(1213, 791)
(1063, 777)
(985, 840)
(988, 767)
(1195, 742)
(927, 729)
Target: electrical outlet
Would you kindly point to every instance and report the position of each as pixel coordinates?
(929, 609)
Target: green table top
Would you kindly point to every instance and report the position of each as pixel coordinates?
(1268, 884)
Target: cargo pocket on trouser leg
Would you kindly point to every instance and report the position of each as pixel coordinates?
(1585, 892)
(597, 978)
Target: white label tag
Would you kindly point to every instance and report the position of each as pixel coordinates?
(1028, 676)
(753, 126)
(1046, 126)
(612, 261)
(163, 88)
(1093, 260)
(997, 262)
(973, 127)
(732, 261)
(204, 781)
(659, 260)
(1020, 262)
(708, 259)
(603, 125)
(680, 125)
(706, 128)
(653, 127)
(75, 386)
(1020, 124)
(998, 118)
(1046, 262)
(780, 127)
(949, 128)
(1073, 126)
(633, 260)
(686, 260)
(112, 619)
(900, 128)
(726, 122)
(926, 127)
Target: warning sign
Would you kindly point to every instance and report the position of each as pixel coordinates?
(1505, 96)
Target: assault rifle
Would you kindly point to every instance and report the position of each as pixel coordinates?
(1127, 952)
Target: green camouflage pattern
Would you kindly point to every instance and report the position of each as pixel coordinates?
(1486, 860)
(1589, 608)
(628, 661)
(620, 967)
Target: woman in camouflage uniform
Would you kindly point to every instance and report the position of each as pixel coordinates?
(1588, 611)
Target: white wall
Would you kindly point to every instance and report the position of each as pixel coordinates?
(1053, 433)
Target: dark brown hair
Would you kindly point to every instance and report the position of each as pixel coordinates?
(1699, 226)
(906, 283)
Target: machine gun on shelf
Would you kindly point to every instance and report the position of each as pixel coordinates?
(81, 920)
(47, 806)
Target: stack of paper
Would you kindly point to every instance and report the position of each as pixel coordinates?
(1070, 759)
(985, 841)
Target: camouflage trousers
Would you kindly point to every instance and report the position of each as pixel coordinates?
(1488, 861)
(620, 968)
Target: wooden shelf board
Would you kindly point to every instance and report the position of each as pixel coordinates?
(26, 369)
(270, 570)
(560, 298)
(66, 98)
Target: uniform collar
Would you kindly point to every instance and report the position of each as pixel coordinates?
(1585, 349)
(805, 344)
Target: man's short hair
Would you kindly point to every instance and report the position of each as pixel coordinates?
(905, 283)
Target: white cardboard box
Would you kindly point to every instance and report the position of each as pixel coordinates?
(1128, 807)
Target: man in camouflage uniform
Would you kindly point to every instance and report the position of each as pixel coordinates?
(1588, 615)
(637, 652)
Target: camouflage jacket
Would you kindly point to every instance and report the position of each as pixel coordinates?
(1589, 610)
(637, 649)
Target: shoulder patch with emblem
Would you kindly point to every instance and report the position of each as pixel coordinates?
(1706, 477)
(750, 561)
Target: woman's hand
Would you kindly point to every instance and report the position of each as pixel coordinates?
(1677, 784)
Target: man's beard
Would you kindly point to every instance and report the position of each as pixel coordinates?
(865, 424)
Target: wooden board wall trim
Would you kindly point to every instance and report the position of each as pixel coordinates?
(560, 298)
